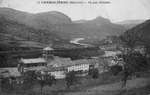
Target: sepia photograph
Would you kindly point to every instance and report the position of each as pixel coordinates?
(74, 47)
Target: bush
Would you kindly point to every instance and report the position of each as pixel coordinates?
(71, 78)
(115, 69)
(94, 73)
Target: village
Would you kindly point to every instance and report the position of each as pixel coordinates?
(94, 65)
(52, 69)
(57, 66)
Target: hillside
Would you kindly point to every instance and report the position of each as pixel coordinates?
(139, 34)
(35, 20)
(95, 29)
(62, 25)
(13, 34)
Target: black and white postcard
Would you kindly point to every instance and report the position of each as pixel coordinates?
(74, 47)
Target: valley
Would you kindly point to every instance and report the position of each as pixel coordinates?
(49, 53)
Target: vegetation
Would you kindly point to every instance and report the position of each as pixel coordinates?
(134, 62)
(71, 78)
(29, 79)
(26, 82)
(6, 85)
(79, 53)
(115, 69)
(94, 73)
(138, 36)
(19, 32)
(45, 79)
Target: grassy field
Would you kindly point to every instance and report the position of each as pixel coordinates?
(106, 84)
(60, 86)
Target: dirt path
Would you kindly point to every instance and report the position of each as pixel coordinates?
(111, 89)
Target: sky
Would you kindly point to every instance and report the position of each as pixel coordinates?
(115, 10)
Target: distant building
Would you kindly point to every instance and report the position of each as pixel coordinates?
(110, 47)
(111, 53)
(140, 49)
(112, 57)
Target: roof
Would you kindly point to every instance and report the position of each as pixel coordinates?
(58, 61)
(84, 61)
(69, 63)
(52, 69)
(63, 62)
(34, 60)
(48, 48)
(34, 68)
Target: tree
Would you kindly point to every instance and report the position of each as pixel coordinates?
(5, 85)
(94, 73)
(71, 78)
(45, 79)
(29, 79)
(134, 62)
(115, 69)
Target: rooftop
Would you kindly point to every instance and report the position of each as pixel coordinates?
(33, 60)
(59, 62)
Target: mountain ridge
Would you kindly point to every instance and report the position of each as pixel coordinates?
(128, 24)
(61, 25)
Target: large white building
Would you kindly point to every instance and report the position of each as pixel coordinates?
(57, 67)
(81, 66)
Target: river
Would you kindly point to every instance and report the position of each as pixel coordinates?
(76, 41)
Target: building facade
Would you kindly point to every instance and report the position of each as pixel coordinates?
(31, 64)
(81, 67)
